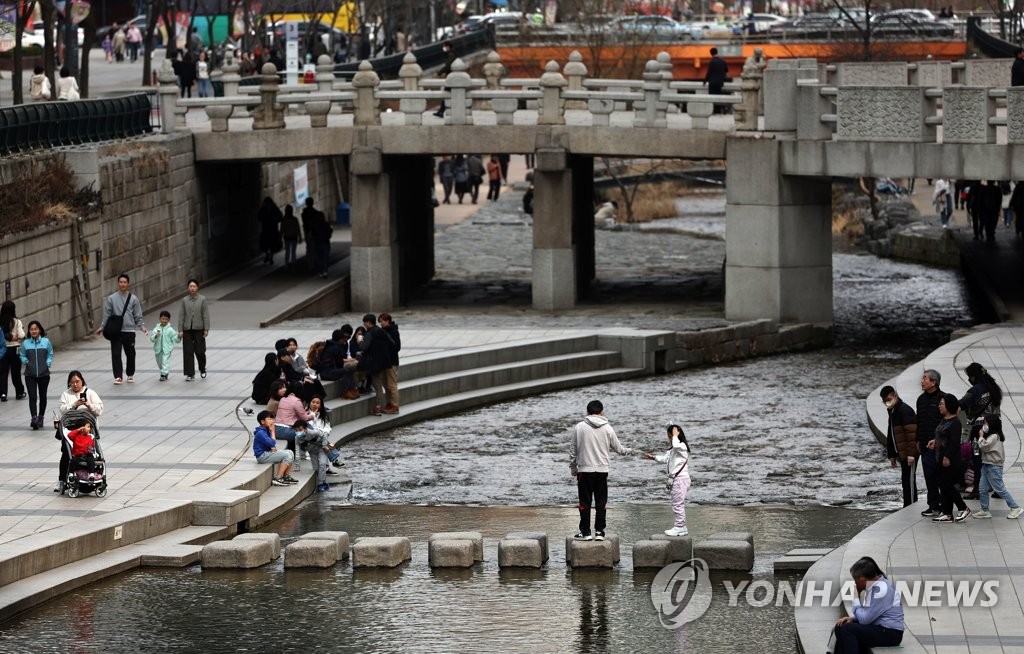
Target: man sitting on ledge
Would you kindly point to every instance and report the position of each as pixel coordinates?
(877, 621)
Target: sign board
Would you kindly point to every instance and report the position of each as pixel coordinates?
(301, 177)
(291, 51)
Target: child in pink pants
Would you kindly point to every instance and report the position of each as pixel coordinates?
(677, 465)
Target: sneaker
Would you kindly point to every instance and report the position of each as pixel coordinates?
(966, 513)
(290, 479)
(131, 379)
(943, 518)
(59, 487)
(189, 378)
(202, 373)
(391, 409)
(19, 396)
(598, 535)
(331, 471)
(982, 515)
(3, 398)
(582, 536)
(930, 513)
(338, 463)
(677, 531)
(118, 380)
(163, 377)
(323, 488)
(1014, 513)
(376, 411)
(351, 394)
(277, 481)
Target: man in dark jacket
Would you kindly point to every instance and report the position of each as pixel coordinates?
(901, 442)
(718, 73)
(335, 365)
(928, 418)
(449, 59)
(376, 351)
(388, 324)
(1017, 69)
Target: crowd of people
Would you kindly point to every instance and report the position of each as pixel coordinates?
(958, 442)
(282, 230)
(464, 175)
(985, 201)
(295, 399)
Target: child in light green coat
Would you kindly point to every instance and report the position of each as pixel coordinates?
(163, 338)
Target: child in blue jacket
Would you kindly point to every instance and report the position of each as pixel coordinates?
(36, 357)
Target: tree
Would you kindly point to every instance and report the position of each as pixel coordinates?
(21, 19)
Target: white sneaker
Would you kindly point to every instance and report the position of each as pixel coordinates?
(1014, 513)
(677, 531)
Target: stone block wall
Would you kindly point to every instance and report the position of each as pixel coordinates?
(278, 183)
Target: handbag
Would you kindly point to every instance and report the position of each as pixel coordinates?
(112, 330)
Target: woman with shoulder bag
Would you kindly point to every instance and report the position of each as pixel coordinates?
(10, 363)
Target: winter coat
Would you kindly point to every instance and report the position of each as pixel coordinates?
(591, 440)
(376, 348)
(676, 459)
(901, 440)
(16, 335)
(194, 314)
(928, 417)
(39, 87)
(163, 339)
(37, 357)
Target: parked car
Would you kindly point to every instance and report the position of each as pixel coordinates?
(812, 26)
(902, 23)
(761, 22)
(649, 28)
(498, 20)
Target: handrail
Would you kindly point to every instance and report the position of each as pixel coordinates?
(27, 127)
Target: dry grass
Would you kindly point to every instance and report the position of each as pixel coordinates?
(651, 202)
(43, 192)
(847, 224)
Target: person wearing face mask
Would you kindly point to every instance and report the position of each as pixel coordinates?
(901, 441)
(990, 441)
(928, 418)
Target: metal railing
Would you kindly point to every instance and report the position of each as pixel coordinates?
(37, 125)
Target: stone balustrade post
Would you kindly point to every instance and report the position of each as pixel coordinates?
(651, 112)
(218, 115)
(410, 74)
(552, 110)
(230, 79)
(747, 111)
(317, 111)
(168, 91)
(458, 83)
(1015, 115)
(575, 72)
(965, 115)
(811, 106)
(269, 114)
(324, 74)
(493, 71)
(365, 82)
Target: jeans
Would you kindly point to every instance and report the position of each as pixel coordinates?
(592, 488)
(205, 88)
(127, 343)
(194, 346)
(992, 479)
(10, 363)
(494, 189)
(854, 638)
(37, 390)
(931, 478)
(290, 245)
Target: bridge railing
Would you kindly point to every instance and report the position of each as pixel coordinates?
(38, 125)
(557, 90)
(962, 102)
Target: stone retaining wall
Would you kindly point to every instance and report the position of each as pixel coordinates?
(925, 244)
(742, 341)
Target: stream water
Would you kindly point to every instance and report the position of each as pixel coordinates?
(781, 448)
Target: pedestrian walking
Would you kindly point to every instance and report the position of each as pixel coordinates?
(122, 315)
(475, 165)
(591, 440)
(990, 441)
(461, 176)
(163, 338)
(203, 84)
(134, 39)
(942, 200)
(449, 59)
(318, 238)
(715, 77)
(10, 361)
(494, 178)
(446, 171)
(292, 235)
(193, 328)
(269, 217)
(946, 446)
(37, 357)
(677, 459)
(119, 42)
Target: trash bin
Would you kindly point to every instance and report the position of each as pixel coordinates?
(343, 213)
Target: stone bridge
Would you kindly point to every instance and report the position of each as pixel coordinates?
(797, 124)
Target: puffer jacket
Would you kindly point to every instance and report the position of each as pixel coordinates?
(902, 437)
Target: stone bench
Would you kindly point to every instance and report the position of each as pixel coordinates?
(450, 553)
(311, 553)
(473, 536)
(270, 537)
(520, 553)
(381, 552)
(649, 554)
(538, 536)
(592, 553)
(237, 554)
(730, 550)
(680, 547)
(339, 538)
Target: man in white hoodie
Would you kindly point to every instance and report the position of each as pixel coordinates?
(588, 463)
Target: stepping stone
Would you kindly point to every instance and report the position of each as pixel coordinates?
(726, 554)
(272, 538)
(475, 536)
(520, 553)
(733, 535)
(236, 554)
(538, 536)
(592, 553)
(450, 553)
(310, 553)
(795, 562)
(680, 547)
(380, 552)
(651, 554)
(339, 538)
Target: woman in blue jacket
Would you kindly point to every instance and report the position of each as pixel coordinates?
(37, 357)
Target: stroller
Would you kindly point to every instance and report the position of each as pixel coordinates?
(76, 478)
